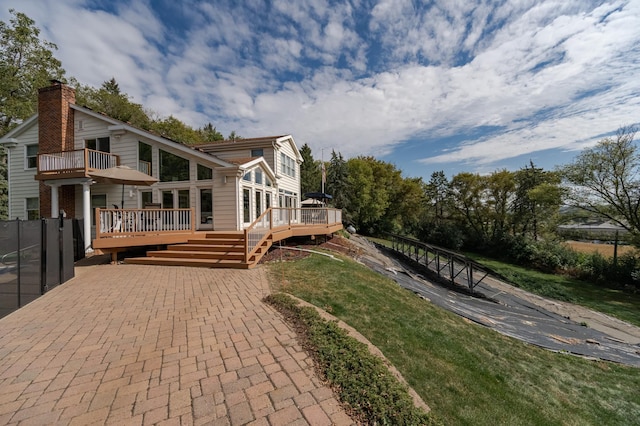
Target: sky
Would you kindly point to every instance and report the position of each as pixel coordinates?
(451, 85)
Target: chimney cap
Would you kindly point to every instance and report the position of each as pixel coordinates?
(55, 82)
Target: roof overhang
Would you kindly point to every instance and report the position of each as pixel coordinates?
(118, 128)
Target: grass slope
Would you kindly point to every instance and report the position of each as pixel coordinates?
(467, 374)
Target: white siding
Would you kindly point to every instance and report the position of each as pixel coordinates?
(22, 185)
(225, 203)
(286, 182)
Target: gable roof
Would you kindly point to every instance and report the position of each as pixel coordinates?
(230, 145)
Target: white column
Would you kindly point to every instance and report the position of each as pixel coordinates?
(86, 214)
(55, 204)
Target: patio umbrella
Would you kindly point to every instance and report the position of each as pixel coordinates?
(122, 175)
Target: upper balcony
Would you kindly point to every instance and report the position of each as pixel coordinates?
(74, 164)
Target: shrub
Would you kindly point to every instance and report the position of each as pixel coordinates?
(360, 379)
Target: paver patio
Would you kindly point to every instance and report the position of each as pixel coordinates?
(135, 344)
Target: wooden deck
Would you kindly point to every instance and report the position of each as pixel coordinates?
(217, 249)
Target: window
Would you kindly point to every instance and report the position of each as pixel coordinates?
(267, 201)
(145, 155)
(99, 144)
(31, 157)
(146, 197)
(258, 203)
(287, 165)
(184, 199)
(247, 177)
(245, 205)
(167, 199)
(33, 208)
(173, 168)
(258, 176)
(98, 201)
(204, 173)
(257, 152)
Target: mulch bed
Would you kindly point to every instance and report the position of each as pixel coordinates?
(337, 243)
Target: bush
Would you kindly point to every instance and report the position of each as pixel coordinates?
(596, 268)
(360, 379)
(443, 235)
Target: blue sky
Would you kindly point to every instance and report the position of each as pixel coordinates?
(449, 85)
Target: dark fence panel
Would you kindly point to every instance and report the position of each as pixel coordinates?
(67, 250)
(30, 260)
(35, 256)
(52, 253)
(9, 287)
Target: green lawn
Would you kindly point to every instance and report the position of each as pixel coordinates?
(466, 373)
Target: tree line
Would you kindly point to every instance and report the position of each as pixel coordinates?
(512, 215)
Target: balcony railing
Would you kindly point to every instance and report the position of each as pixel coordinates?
(279, 217)
(76, 161)
(140, 222)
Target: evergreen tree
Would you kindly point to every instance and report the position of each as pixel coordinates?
(310, 173)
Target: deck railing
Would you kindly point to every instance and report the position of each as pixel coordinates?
(281, 217)
(140, 222)
(78, 160)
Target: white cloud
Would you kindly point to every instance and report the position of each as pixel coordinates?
(552, 74)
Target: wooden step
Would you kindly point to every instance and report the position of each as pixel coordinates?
(225, 235)
(206, 247)
(172, 261)
(211, 241)
(195, 254)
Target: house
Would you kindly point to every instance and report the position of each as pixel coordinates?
(57, 161)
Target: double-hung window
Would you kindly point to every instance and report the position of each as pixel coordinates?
(33, 208)
(287, 165)
(31, 159)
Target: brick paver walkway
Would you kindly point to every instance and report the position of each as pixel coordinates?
(134, 344)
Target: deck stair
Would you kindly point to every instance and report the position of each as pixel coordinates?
(215, 249)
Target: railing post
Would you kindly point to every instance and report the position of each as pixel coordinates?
(86, 160)
(98, 225)
(246, 246)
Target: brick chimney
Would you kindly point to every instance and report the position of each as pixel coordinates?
(55, 134)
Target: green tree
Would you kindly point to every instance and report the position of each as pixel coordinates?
(406, 207)
(468, 191)
(310, 173)
(604, 180)
(437, 197)
(537, 200)
(209, 133)
(174, 129)
(337, 183)
(233, 136)
(26, 64)
(110, 100)
(500, 190)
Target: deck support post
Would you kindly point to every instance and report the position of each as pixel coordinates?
(55, 204)
(86, 214)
